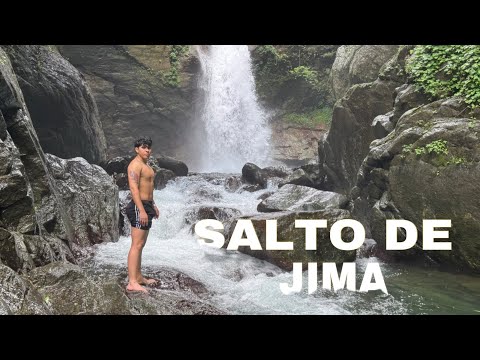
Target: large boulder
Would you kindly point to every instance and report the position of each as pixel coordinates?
(117, 165)
(23, 253)
(300, 177)
(286, 231)
(71, 290)
(162, 177)
(357, 64)
(427, 168)
(253, 174)
(28, 197)
(19, 297)
(59, 101)
(408, 96)
(295, 145)
(117, 168)
(222, 214)
(139, 90)
(301, 198)
(178, 167)
(94, 209)
(341, 153)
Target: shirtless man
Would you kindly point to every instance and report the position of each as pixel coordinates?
(140, 211)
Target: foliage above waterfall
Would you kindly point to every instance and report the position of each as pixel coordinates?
(294, 77)
(446, 70)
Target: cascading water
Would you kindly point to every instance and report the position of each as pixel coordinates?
(241, 284)
(235, 129)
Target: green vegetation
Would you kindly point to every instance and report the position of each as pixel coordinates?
(294, 77)
(457, 160)
(439, 149)
(420, 151)
(447, 70)
(471, 124)
(407, 149)
(176, 53)
(312, 118)
(307, 74)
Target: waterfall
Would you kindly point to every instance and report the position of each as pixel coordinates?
(234, 126)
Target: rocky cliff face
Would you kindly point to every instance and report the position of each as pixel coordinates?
(95, 212)
(296, 145)
(59, 101)
(423, 165)
(39, 223)
(347, 142)
(427, 168)
(139, 90)
(27, 191)
(358, 64)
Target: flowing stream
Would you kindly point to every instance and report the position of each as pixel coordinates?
(241, 284)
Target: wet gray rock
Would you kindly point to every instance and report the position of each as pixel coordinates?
(95, 213)
(222, 214)
(399, 180)
(408, 97)
(301, 198)
(342, 152)
(178, 167)
(131, 87)
(276, 171)
(117, 165)
(286, 231)
(24, 252)
(59, 102)
(251, 188)
(29, 200)
(71, 290)
(298, 177)
(357, 64)
(253, 174)
(162, 177)
(19, 297)
(382, 125)
(265, 195)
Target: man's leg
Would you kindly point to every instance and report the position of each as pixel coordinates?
(140, 279)
(134, 259)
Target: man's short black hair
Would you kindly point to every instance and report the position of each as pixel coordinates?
(145, 140)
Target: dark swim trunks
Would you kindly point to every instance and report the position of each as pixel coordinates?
(133, 214)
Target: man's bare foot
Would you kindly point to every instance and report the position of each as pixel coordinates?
(145, 281)
(133, 287)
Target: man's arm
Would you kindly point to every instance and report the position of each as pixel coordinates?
(156, 209)
(134, 172)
